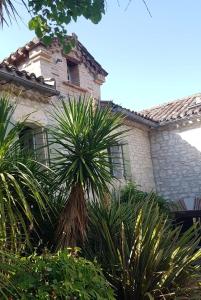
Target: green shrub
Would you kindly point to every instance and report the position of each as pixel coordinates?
(132, 192)
(59, 276)
(140, 252)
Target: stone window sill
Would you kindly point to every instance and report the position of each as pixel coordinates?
(76, 87)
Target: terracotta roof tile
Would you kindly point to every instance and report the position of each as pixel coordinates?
(21, 53)
(136, 116)
(175, 110)
(15, 75)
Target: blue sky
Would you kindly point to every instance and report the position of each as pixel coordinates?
(149, 60)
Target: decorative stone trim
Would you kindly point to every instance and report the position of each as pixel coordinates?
(40, 54)
(99, 79)
(76, 87)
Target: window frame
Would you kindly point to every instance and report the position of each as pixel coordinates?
(122, 171)
(73, 74)
(40, 132)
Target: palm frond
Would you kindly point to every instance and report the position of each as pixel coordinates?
(7, 10)
(20, 190)
(83, 134)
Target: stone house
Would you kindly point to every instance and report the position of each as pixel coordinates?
(162, 149)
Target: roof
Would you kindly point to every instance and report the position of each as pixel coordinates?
(91, 60)
(22, 53)
(176, 110)
(163, 114)
(131, 115)
(10, 73)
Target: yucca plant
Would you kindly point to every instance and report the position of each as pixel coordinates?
(83, 134)
(142, 255)
(20, 191)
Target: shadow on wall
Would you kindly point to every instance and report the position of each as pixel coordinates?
(176, 156)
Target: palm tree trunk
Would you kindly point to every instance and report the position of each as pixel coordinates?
(71, 228)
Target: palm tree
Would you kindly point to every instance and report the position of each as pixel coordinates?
(7, 8)
(20, 191)
(83, 134)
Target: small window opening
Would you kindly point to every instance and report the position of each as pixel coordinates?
(73, 73)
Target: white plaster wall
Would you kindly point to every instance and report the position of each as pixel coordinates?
(33, 112)
(176, 154)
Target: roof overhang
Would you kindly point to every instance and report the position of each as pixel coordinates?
(7, 77)
(130, 115)
(135, 117)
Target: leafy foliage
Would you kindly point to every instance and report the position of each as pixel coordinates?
(132, 192)
(83, 134)
(141, 254)
(58, 276)
(20, 191)
(51, 17)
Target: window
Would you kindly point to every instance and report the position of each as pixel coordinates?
(73, 73)
(27, 140)
(116, 158)
(120, 162)
(34, 141)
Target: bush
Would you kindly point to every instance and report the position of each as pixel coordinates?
(140, 252)
(133, 193)
(59, 276)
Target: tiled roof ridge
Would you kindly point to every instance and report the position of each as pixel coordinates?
(105, 73)
(168, 102)
(176, 110)
(22, 52)
(162, 114)
(130, 113)
(133, 112)
(22, 73)
(24, 77)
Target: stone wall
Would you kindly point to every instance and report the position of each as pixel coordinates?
(51, 63)
(137, 139)
(29, 104)
(138, 142)
(32, 108)
(176, 155)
